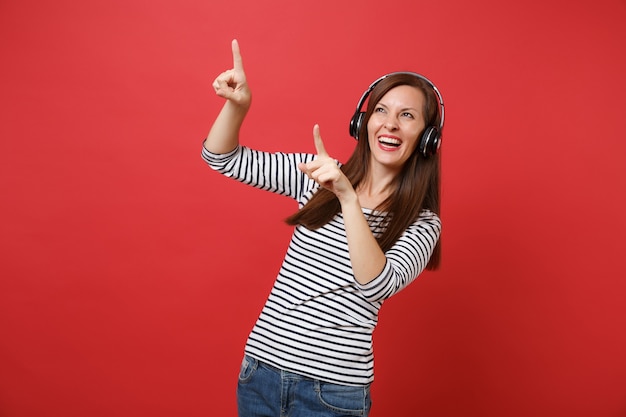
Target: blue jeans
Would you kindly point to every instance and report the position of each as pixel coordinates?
(265, 391)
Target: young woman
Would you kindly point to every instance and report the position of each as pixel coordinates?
(364, 231)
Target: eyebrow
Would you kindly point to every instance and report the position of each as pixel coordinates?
(402, 109)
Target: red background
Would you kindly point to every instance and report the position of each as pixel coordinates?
(132, 273)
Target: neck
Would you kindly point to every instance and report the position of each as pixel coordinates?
(375, 188)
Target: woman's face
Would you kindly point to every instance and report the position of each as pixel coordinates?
(394, 126)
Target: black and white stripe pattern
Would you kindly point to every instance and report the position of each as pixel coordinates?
(318, 321)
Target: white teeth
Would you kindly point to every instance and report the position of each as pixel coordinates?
(389, 141)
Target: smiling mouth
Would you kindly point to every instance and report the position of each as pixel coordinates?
(389, 141)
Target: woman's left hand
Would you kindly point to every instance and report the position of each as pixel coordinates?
(325, 171)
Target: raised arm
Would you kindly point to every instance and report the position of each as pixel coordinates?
(231, 85)
(366, 257)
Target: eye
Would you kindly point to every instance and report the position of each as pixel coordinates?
(379, 110)
(409, 115)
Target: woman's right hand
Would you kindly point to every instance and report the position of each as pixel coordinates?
(231, 84)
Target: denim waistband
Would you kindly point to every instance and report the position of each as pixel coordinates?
(284, 373)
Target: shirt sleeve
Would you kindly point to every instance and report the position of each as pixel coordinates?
(276, 172)
(406, 259)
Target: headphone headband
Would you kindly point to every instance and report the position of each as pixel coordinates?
(431, 139)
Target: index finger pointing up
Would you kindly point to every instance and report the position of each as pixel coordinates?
(237, 61)
(319, 145)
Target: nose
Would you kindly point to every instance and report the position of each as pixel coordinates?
(390, 123)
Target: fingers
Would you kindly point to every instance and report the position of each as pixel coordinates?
(227, 81)
(323, 169)
(222, 84)
(325, 174)
(231, 84)
(319, 144)
(237, 61)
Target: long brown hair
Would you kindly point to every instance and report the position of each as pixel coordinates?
(416, 188)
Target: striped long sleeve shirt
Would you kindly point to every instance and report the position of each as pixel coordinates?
(318, 320)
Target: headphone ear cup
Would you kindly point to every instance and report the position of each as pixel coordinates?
(355, 124)
(430, 141)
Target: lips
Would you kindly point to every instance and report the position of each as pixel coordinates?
(389, 141)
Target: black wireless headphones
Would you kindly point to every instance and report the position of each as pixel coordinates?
(431, 138)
